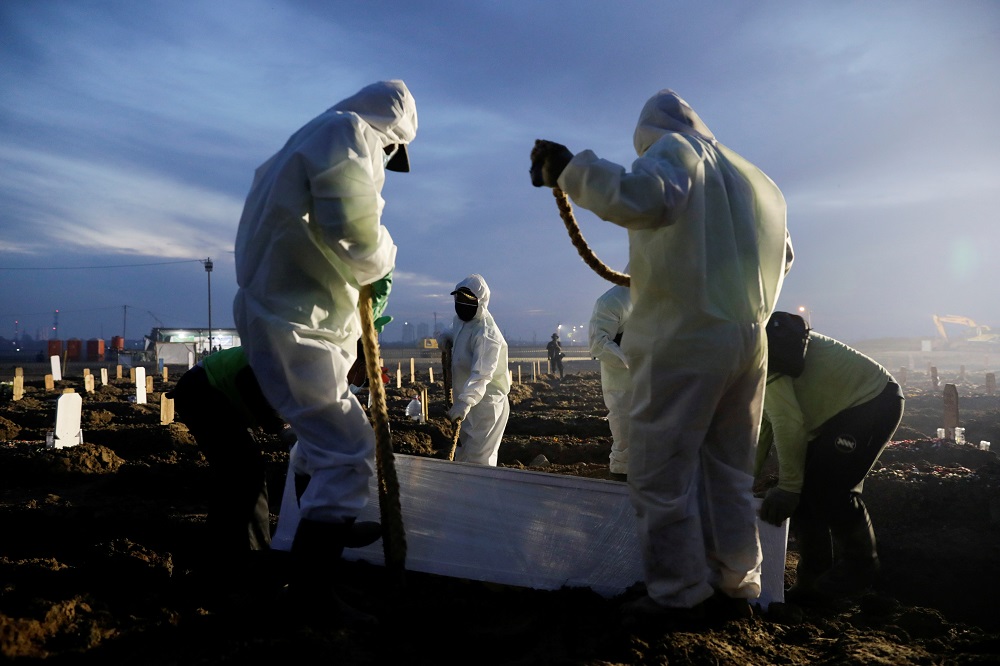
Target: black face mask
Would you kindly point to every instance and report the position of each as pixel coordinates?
(466, 311)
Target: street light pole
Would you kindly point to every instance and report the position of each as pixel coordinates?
(208, 271)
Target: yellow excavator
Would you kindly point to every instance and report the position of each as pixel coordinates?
(983, 334)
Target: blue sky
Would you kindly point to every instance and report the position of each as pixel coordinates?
(130, 131)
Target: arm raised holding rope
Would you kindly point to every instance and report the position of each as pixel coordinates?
(548, 160)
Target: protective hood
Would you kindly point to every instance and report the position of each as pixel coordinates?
(666, 112)
(477, 285)
(388, 107)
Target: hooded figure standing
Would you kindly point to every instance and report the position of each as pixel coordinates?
(708, 251)
(310, 237)
(479, 374)
(607, 326)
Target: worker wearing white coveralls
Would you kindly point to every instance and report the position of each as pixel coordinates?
(708, 251)
(309, 238)
(607, 325)
(478, 374)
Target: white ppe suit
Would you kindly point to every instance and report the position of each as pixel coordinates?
(708, 251)
(479, 378)
(607, 323)
(309, 238)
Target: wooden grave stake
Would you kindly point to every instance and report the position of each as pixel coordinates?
(991, 383)
(934, 377)
(88, 383)
(166, 409)
(104, 376)
(50, 383)
(950, 410)
(18, 387)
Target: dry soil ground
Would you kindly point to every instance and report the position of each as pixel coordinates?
(100, 544)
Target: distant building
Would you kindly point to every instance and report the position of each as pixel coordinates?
(178, 346)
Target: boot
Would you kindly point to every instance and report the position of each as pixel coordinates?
(857, 566)
(363, 533)
(311, 595)
(815, 558)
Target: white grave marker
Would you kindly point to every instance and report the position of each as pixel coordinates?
(140, 386)
(68, 432)
(104, 376)
(56, 368)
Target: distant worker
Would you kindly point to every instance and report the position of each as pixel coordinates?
(828, 426)
(555, 352)
(480, 379)
(222, 406)
(310, 237)
(708, 253)
(607, 325)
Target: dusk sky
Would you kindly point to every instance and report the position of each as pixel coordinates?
(130, 131)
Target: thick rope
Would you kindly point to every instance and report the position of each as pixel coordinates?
(575, 235)
(446, 364)
(454, 439)
(393, 534)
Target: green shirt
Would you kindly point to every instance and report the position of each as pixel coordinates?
(836, 377)
(229, 372)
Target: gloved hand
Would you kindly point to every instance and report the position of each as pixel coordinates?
(548, 159)
(380, 297)
(778, 505)
(381, 322)
(459, 411)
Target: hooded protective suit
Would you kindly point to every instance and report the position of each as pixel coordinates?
(309, 238)
(707, 256)
(607, 324)
(480, 379)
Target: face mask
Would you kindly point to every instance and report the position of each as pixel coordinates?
(466, 311)
(388, 156)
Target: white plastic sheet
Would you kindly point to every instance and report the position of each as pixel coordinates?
(521, 527)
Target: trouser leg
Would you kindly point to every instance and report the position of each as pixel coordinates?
(815, 548)
(836, 464)
(856, 563)
(238, 511)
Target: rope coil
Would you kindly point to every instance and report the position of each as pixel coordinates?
(393, 536)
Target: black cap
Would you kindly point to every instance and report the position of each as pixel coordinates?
(464, 295)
